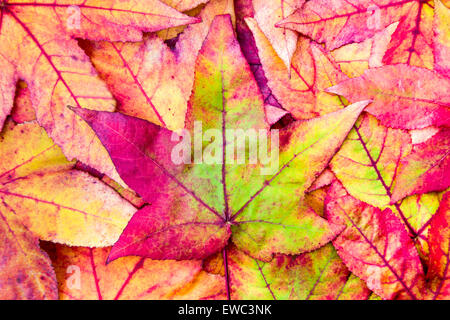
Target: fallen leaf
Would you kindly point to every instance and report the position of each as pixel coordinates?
(439, 239)
(368, 161)
(246, 205)
(148, 79)
(410, 43)
(426, 169)
(26, 271)
(376, 247)
(312, 71)
(341, 22)
(170, 35)
(244, 9)
(83, 275)
(317, 275)
(441, 37)
(54, 201)
(415, 99)
(37, 45)
(267, 14)
(368, 165)
(355, 58)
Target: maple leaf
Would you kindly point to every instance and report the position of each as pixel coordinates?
(426, 169)
(439, 263)
(312, 71)
(170, 35)
(415, 99)
(368, 164)
(317, 275)
(375, 246)
(27, 271)
(340, 22)
(196, 208)
(347, 201)
(148, 79)
(410, 43)
(83, 275)
(52, 200)
(38, 45)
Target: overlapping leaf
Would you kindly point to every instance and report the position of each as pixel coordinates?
(83, 275)
(267, 14)
(416, 99)
(376, 247)
(426, 169)
(312, 71)
(374, 184)
(355, 58)
(54, 201)
(439, 264)
(149, 80)
(441, 37)
(318, 275)
(340, 22)
(26, 271)
(37, 44)
(224, 198)
(368, 166)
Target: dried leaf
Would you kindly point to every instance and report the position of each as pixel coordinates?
(52, 200)
(439, 239)
(341, 22)
(37, 44)
(426, 169)
(355, 58)
(149, 80)
(376, 247)
(410, 42)
(312, 71)
(26, 271)
(403, 96)
(83, 275)
(441, 37)
(267, 14)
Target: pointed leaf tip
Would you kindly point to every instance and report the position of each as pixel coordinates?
(360, 105)
(86, 114)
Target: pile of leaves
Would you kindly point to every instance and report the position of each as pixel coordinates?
(92, 93)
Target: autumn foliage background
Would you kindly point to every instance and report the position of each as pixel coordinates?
(92, 207)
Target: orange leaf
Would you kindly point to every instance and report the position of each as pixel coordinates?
(37, 44)
(52, 200)
(83, 275)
